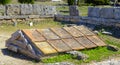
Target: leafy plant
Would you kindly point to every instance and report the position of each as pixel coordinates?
(3, 2)
(26, 1)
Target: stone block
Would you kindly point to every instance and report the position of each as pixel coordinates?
(26, 9)
(93, 12)
(2, 10)
(117, 13)
(21, 16)
(33, 16)
(12, 47)
(74, 10)
(107, 13)
(108, 22)
(37, 9)
(13, 10)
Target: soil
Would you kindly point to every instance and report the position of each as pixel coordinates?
(8, 57)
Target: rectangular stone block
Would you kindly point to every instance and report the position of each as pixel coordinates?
(2, 10)
(13, 10)
(74, 10)
(93, 12)
(37, 9)
(107, 13)
(26, 9)
(117, 13)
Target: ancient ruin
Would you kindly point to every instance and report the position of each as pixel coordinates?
(38, 43)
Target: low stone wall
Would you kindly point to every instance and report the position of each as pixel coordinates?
(97, 16)
(20, 11)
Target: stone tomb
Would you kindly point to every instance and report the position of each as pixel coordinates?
(38, 43)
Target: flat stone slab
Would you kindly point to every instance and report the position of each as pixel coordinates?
(45, 48)
(96, 40)
(85, 42)
(61, 33)
(59, 45)
(74, 32)
(84, 30)
(34, 35)
(73, 44)
(48, 34)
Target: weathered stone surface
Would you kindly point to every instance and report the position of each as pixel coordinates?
(34, 16)
(93, 12)
(49, 10)
(12, 47)
(13, 10)
(74, 10)
(78, 55)
(108, 22)
(107, 13)
(2, 10)
(117, 13)
(26, 9)
(37, 9)
(112, 47)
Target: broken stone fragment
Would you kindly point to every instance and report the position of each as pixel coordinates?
(112, 48)
(78, 55)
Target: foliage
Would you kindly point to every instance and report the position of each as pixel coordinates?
(70, 2)
(3, 2)
(98, 2)
(26, 1)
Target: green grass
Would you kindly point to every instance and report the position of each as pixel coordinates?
(96, 54)
(58, 58)
(47, 23)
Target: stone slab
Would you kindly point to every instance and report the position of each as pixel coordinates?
(93, 12)
(117, 13)
(59, 45)
(13, 10)
(26, 9)
(34, 35)
(37, 9)
(45, 48)
(73, 44)
(85, 42)
(48, 34)
(107, 13)
(96, 40)
(2, 10)
(61, 33)
(74, 32)
(84, 30)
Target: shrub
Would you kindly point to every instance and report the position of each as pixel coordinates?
(26, 1)
(98, 2)
(3, 2)
(70, 2)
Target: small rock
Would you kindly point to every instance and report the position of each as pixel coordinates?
(96, 32)
(79, 55)
(112, 47)
(107, 33)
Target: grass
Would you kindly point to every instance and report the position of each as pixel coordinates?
(47, 23)
(97, 54)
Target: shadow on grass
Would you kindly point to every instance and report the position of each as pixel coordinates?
(17, 55)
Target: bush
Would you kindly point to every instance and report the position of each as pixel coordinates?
(70, 2)
(3, 2)
(26, 1)
(98, 2)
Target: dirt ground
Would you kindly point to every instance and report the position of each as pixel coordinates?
(10, 58)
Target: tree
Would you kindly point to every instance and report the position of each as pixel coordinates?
(26, 1)
(3, 2)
